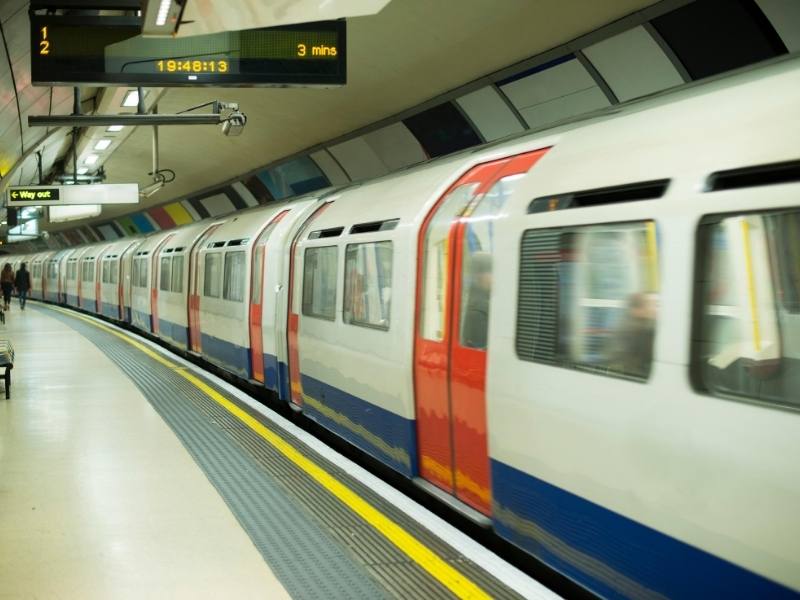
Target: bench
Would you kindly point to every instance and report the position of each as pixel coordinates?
(7, 361)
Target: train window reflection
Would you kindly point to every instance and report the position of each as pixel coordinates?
(211, 275)
(476, 266)
(166, 273)
(235, 271)
(368, 284)
(588, 298)
(177, 274)
(747, 338)
(319, 282)
(435, 261)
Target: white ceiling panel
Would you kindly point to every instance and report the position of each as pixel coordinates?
(330, 167)
(632, 64)
(555, 93)
(396, 146)
(8, 8)
(358, 159)
(490, 113)
(785, 18)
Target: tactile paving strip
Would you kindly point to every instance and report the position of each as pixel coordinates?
(316, 545)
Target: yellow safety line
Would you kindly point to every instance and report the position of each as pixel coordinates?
(751, 289)
(426, 558)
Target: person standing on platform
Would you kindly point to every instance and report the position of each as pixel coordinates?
(23, 284)
(7, 284)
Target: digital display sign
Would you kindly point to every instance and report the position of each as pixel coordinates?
(26, 195)
(42, 195)
(104, 51)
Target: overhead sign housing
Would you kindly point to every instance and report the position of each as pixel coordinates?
(109, 51)
(60, 195)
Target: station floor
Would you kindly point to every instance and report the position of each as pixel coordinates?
(127, 473)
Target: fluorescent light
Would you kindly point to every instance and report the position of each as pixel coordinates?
(131, 98)
(91, 159)
(102, 144)
(115, 128)
(163, 11)
(83, 170)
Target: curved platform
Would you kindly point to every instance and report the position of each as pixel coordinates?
(128, 472)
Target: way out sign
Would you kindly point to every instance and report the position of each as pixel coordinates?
(60, 195)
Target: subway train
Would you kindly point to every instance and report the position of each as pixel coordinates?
(586, 337)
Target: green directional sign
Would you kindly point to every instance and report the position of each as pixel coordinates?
(33, 194)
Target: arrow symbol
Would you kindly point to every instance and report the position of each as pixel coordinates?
(14, 195)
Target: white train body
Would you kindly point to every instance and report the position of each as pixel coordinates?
(587, 336)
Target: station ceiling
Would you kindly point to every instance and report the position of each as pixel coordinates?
(411, 51)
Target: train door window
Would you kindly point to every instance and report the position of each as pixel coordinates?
(233, 281)
(435, 260)
(52, 271)
(88, 270)
(166, 273)
(144, 264)
(177, 274)
(476, 267)
(113, 275)
(368, 284)
(105, 272)
(588, 298)
(746, 342)
(258, 274)
(212, 273)
(319, 282)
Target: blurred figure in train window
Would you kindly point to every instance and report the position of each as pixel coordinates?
(476, 318)
(631, 349)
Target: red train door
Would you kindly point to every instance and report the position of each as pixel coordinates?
(453, 288)
(259, 260)
(295, 385)
(194, 293)
(154, 281)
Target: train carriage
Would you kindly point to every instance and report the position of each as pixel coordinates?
(144, 279)
(112, 298)
(222, 289)
(171, 317)
(644, 348)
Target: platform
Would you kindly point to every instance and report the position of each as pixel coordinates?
(127, 472)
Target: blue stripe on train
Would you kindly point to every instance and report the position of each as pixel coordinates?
(109, 310)
(72, 299)
(227, 355)
(610, 554)
(379, 432)
(141, 320)
(175, 333)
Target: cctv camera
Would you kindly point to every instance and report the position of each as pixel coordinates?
(234, 124)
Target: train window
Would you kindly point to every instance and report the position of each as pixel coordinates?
(211, 275)
(105, 271)
(258, 274)
(88, 270)
(746, 342)
(435, 274)
(52, 270)
(233, 281)
(143, 269)
(319, 282)
(368, 284)
(588, 298)
(113, 276)
(177, 274)
(166, 273)
(135, 272)
(72, 270)
(476, 266)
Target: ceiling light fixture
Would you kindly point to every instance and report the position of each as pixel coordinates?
(163, 11)
(102, 144)
(91, 159)
(83, 170)
(131, 99)
(115, 128)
